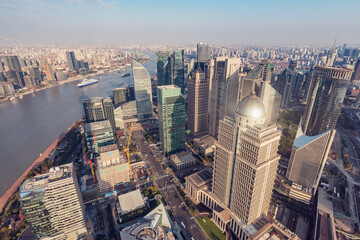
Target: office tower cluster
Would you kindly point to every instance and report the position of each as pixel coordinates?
(52, 205)
(99, 109)
(78, 66)
(316, 131)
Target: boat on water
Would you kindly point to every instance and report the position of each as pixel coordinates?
(125, 74)
(87, 82)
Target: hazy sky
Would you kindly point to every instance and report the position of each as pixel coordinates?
(179, 22)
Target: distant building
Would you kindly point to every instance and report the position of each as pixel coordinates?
(131, 201)
(182, 160)
(143, 94)
(104, 135)
(176, 69)
(99, 109)
(49, 72)
(16, 78)
(29, 81)
(203, 53)
(356, 73)
(35, 73)
(171, 107)
(284, 85)
(52, 204)
(112, 168)
(13, 63)
(162, 68)
(197, 103)
(326, 95)
(6, 88)
(71, 60)
(61, 76)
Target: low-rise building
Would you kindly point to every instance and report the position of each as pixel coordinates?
(182, 160)
(130, 201)
(205, 145)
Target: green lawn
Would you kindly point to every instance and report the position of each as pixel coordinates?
(213, 232)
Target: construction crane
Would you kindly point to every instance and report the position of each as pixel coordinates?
(126, 150)
(91, 157)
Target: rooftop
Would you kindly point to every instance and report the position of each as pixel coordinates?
(94, 126)
(41, 181)
(131, 201)
(182, 157)
(168, 87)
(202, 177)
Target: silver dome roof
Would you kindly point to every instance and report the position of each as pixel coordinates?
(251, 107)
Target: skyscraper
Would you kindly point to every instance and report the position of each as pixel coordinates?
(49, 72)
(171, 105)
(13, 63)
(142, 86)
(271, 100)
(70, 56)
(326, 95)
(254, 79)
(246, 160)
(121, 96)
(223, 96)
(99, 109)
(103, 134)
(197, 103)
(162, 68)
(203, 53)
(52, 204)
(35, 73)
(176, 69)
(356, 74)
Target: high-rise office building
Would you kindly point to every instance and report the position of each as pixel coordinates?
(13, 63)
(297, 90)
(103, 134)
(162, 68)
(203, 53)
(52, 205)
(246, 160)
(271, 100)
(112, 168)
(326, 95)
(176, 69)
(255, 78)
(16, 78)
(223, 95)
(72, 64)
(284, 85)
(197, 103)
(307, 160)
(143, 94)
(49, 72)
(35, 73)
(99, 109)
(121, 96)
(356, 73)
(171, 105)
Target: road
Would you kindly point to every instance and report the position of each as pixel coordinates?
(167, 189)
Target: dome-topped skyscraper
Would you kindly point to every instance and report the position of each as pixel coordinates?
(250, 111)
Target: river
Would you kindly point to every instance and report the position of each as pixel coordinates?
(29, 125)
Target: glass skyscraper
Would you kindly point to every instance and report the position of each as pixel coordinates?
(142, 86)
(171, 104)
(177, 69)
(70, 56)
(99, 109)
(326, 95)
(162, 68)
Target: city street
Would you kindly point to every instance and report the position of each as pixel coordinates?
(167, 189)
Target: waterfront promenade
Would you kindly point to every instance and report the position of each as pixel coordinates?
(41, 158)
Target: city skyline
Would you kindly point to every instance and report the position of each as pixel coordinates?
(74, 22)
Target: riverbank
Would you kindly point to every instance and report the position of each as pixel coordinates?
(4, 198)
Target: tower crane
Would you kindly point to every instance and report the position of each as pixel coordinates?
(126, 150)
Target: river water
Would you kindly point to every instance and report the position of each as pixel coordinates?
(29, 125)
